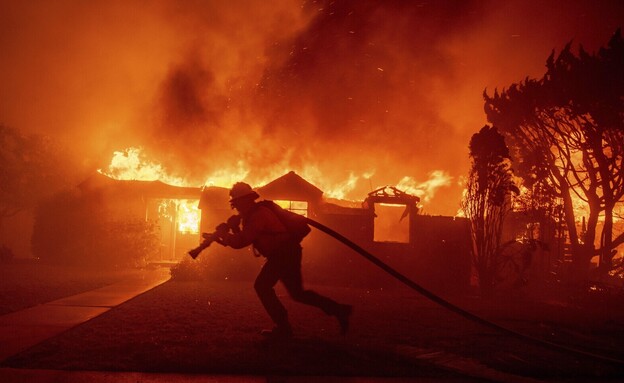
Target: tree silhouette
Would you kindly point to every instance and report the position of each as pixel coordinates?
(566, 131)
(31, 167)
(486, 201)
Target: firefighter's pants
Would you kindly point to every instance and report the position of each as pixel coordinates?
(285, 266)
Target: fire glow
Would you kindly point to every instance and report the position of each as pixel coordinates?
(188, 216)
(133, 164)
(350, 95)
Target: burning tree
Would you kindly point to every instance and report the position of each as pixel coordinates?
(486, 202)
(567, 132)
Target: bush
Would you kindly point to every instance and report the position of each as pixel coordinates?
(189, 270)
(74, 229)
(218, 263)
(209, 265)
(127, 242)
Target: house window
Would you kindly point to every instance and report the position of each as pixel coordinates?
(183, 214)
(299, 207)
(188, 216)
(178, 225)
(391, 223)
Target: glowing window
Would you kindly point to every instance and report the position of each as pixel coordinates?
(188, 216)
(299, 207)
(390, 223)
(183, 213)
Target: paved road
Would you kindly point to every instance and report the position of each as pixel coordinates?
(23, 329)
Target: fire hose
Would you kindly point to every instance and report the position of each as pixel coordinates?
(456, 309)
(212, 237)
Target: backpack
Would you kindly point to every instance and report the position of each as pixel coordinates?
(296, 224)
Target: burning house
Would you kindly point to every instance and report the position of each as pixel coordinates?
(433, 250)
(174, 209)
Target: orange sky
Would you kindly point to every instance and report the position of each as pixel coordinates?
(348, 91)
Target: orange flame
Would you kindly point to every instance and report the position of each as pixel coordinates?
(427, 189)
(132, 164)
(188, 216)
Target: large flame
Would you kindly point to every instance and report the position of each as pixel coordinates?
(390, 88)
(427, 189)
(133, 164)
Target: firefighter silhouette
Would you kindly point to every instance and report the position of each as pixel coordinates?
(268, 234)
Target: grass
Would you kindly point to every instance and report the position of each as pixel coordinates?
(212, 327)
(26, 283)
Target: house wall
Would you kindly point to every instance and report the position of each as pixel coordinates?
(437, 257)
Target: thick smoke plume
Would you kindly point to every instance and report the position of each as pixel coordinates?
(352, 93)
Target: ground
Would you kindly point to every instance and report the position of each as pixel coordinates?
(29, 282)
(212, 327)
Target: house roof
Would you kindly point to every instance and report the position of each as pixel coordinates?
(98, 182)
(291, 187)
(214, 197)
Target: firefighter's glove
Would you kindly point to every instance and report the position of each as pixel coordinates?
(234, 223)
(207, 236)
(221, 230)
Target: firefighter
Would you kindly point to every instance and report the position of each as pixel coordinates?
(270, 238)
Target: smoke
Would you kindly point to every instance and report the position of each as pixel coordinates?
(356, 93)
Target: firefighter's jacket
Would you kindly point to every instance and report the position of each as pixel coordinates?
(262, 229)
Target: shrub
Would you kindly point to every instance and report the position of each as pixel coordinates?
(217, 264)
(74, 229)
(126, 242)
(188, 270)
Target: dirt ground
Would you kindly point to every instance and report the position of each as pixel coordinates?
(212, 327)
